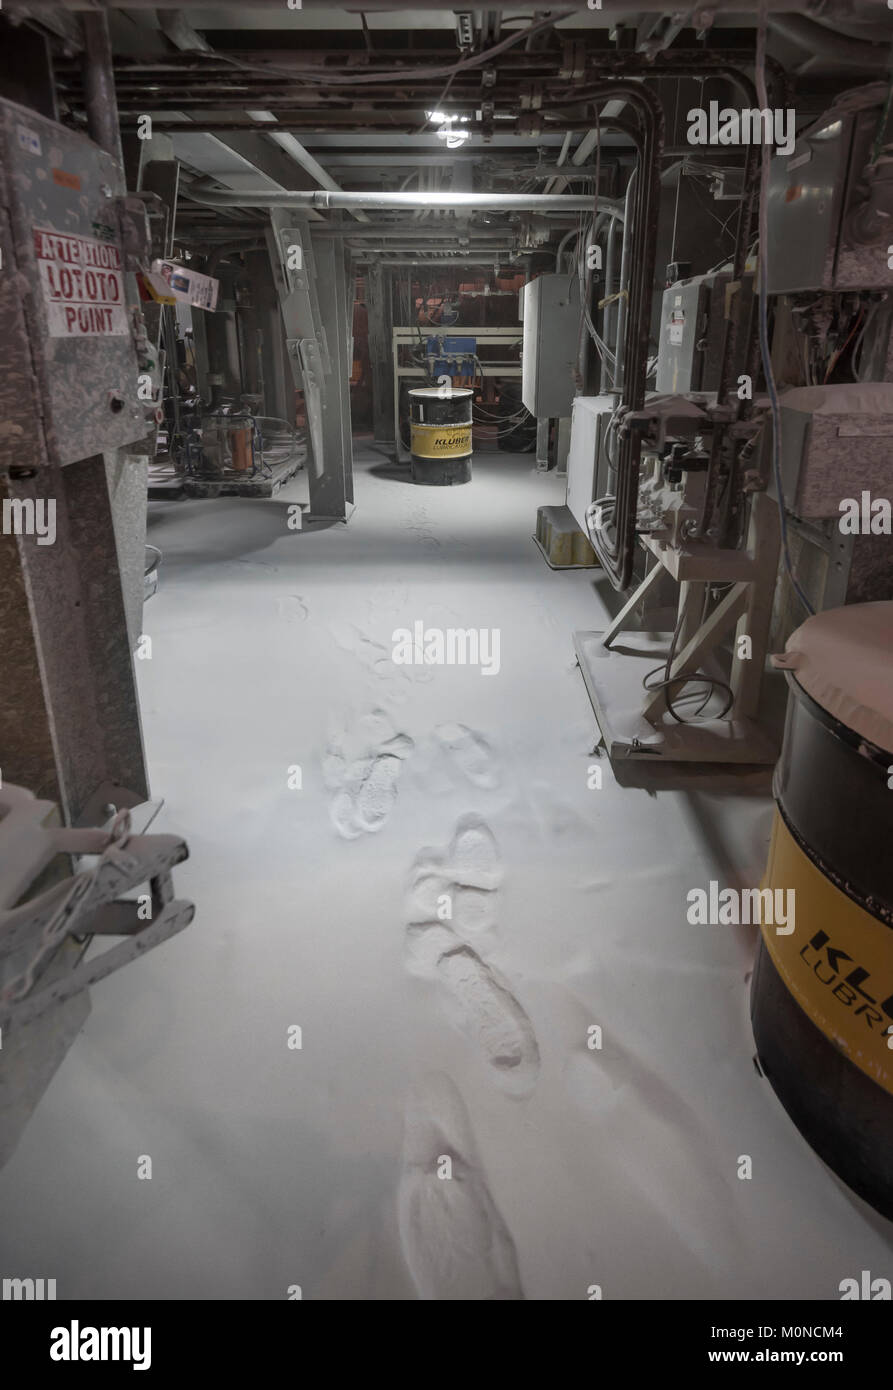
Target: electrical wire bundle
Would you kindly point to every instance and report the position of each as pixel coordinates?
(668, 682)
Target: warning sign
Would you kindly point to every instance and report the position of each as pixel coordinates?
(82, 284)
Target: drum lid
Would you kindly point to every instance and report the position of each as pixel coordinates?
(441, 393)
(843, 659)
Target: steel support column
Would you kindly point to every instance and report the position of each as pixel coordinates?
(312, 285)
(335, 306)
(69, 713)
(380, 312)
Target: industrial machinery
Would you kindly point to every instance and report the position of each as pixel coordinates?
(721, 470)
(74, 447)
(229, 451)
(240, 242)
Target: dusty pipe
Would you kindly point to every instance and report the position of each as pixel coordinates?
(323, 199)
(624, 285)
(99, 86)
(574, 231)
(608, 320)
(494, 262)
(411, 249)
(387, 231)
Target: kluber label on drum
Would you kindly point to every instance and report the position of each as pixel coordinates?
(441, 441)
(838, 964)
(82, 283)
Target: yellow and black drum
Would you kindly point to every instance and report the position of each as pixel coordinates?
(440, 443)
(822, 996)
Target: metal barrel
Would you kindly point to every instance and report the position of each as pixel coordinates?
(440, 434)
(822, 995)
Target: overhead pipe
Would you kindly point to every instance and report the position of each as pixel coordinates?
(323, 199)
(456, 264)
(99, 85)
(413, 248)
(384, 231)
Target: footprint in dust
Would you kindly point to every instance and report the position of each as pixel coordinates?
(480, 1004)
(362, 767)
(293, 608)
(452, 920)
(396, 681)
(455, 1241)
(470, 752)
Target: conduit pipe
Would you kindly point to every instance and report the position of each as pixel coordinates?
(323, 199)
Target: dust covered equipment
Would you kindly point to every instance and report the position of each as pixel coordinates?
(551, 334)
(693, 315)
(441, 429)
(822, 994)
(830, 202)
(228, 443)
(68, 313)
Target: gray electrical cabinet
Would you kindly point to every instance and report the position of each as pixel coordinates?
(813, 194)
(684, 324)
(551, 342)
(69, 388)
(692, 324)
(587, 463)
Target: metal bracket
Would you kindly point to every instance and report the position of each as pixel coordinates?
(87, 904)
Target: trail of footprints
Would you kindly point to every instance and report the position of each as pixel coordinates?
(452, 920)
(455, 1241)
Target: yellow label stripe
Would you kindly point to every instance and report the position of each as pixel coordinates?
(837, 963)
(441, 441)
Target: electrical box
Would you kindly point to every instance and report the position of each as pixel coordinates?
(69, 388)
(551, 345)
(587, 465)
(836, 443)
(815, 195)
(692, 323)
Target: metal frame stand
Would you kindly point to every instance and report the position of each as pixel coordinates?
(634, 722)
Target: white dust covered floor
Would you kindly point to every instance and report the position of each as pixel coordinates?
(425, 1036)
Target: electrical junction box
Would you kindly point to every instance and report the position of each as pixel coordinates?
(587, 463)
(814, 195)
(692, 322)
(551, 345)
(69, 388)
